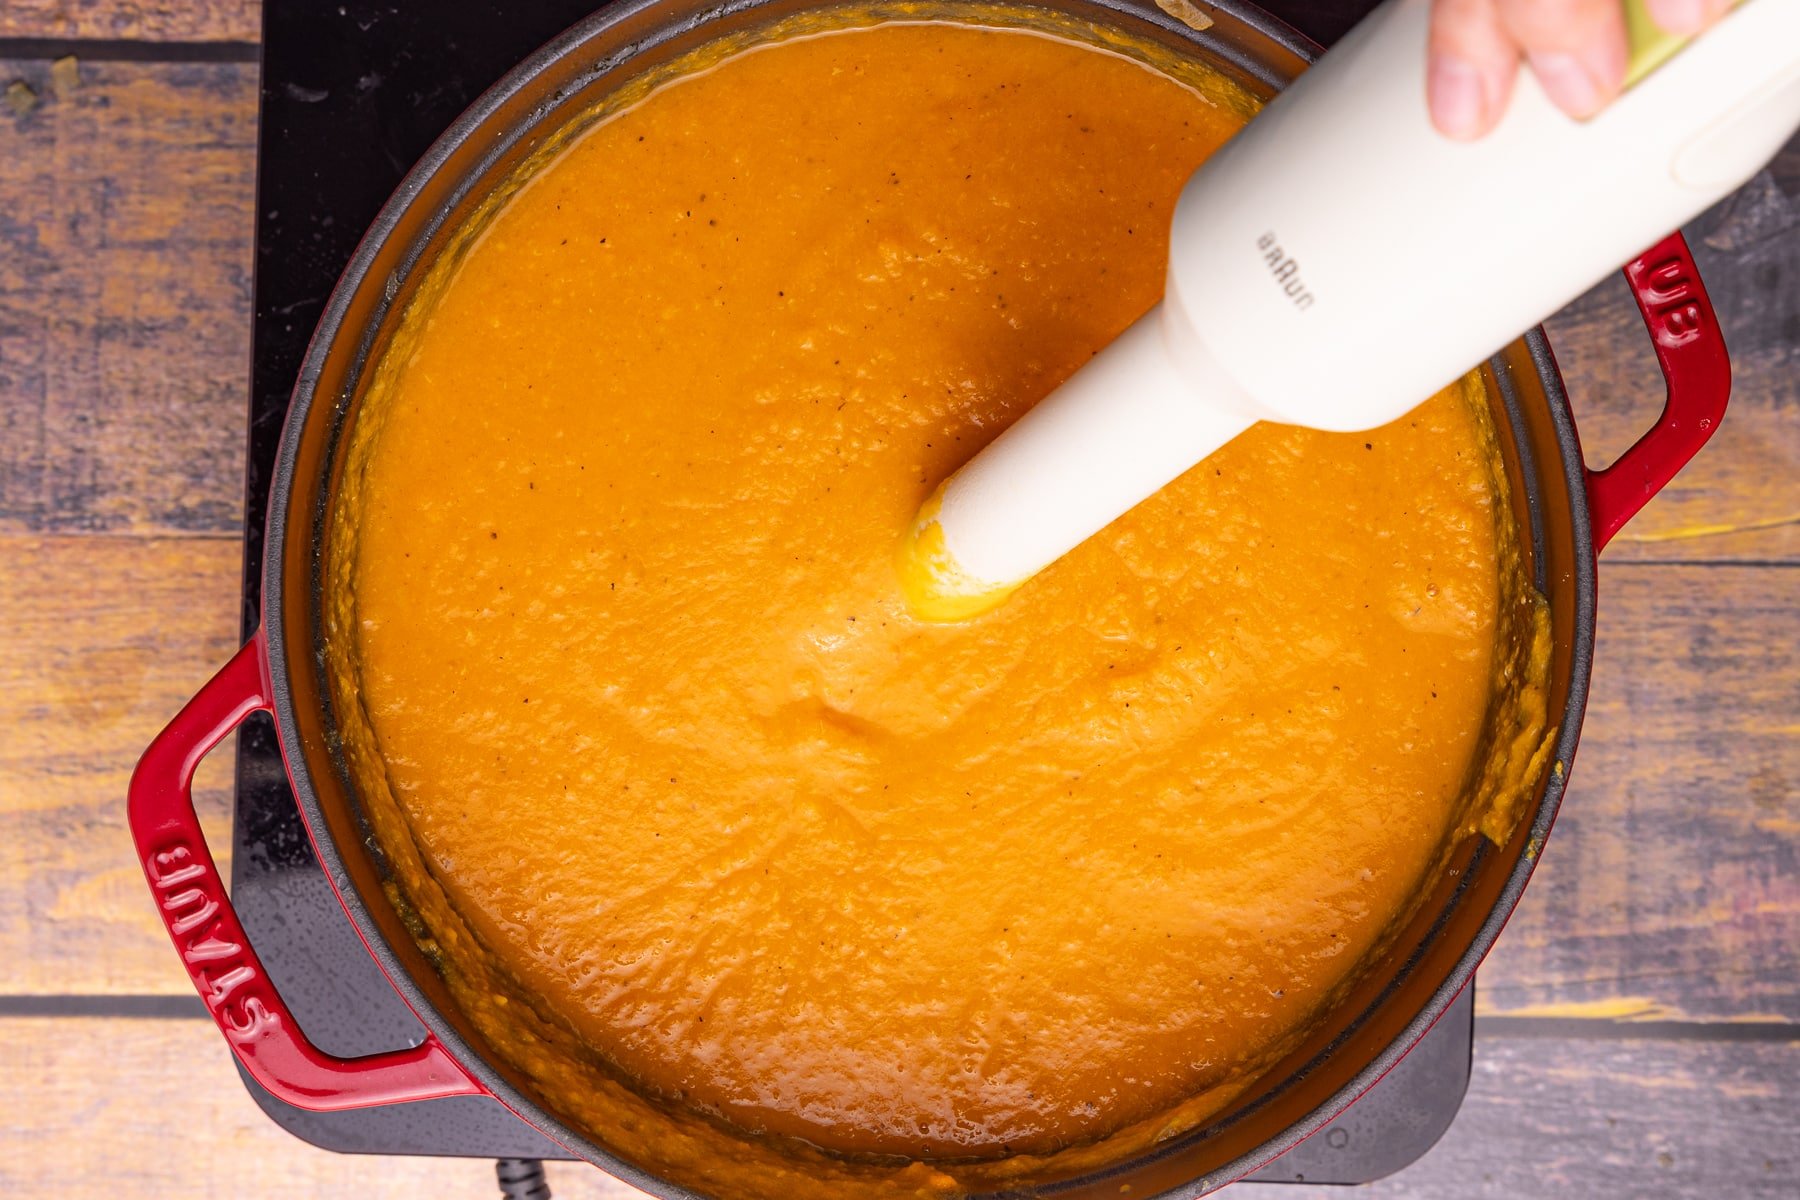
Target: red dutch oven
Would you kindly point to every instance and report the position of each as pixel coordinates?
(1567, 513)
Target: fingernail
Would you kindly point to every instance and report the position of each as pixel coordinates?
(1680, 16)
(1453, 90)
(1568, 83)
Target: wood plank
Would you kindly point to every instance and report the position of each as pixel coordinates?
(1668, 889)
(125, 226)
(126, 1107)
(102, 639)
(137, 20)
(130, 223)
(1671, 884)
(1739, 500)
(1557, 1119)
(98, 1108)
(133, 207)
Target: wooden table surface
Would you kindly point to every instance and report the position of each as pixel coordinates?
(1639, 1024)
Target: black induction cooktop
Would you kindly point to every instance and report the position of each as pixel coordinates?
(352, 94)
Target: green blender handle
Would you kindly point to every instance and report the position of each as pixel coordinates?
(1647, 44)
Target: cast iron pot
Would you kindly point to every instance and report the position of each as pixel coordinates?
(1568, 514)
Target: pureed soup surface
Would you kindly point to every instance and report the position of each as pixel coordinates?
(679, 766)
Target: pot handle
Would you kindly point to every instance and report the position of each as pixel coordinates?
(191, 899)
(1691, 351)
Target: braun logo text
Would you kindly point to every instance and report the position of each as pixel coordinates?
(1285, 269)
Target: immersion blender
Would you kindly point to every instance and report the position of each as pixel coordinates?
(1336, 220)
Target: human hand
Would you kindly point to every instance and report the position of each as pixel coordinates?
(1575, 47)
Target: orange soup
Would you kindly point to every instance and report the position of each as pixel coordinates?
(667, 770)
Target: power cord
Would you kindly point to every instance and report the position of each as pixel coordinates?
(522, 1179)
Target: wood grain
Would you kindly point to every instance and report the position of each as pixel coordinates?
(124, 276)
(1739, 500)
(1556, 1119)
(124, 260)
(102, 639)
(87, 1106)
(98, 1109)
(125, 223)
(1671, 882)
(1669, 886)
(138, 20)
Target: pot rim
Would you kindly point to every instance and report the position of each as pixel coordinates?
(333, 325)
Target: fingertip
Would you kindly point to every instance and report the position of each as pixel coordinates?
(1569, 83)
(1577, 49)
(1470, 68)
(1682, 16)
(1587, 78)
(1458, 101)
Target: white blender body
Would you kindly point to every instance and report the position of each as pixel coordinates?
(1338, 221)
